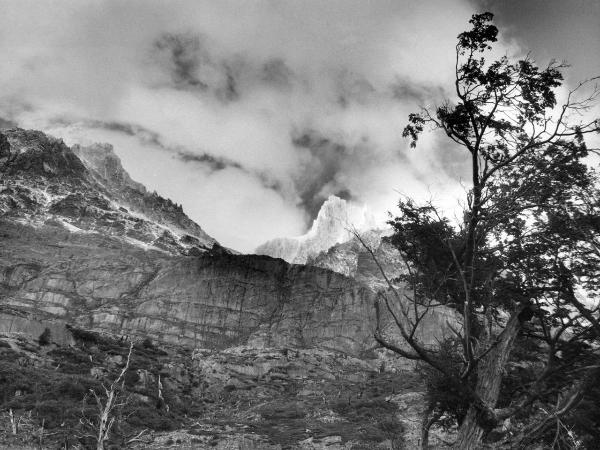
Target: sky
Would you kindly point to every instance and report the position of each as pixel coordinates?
(251, 113)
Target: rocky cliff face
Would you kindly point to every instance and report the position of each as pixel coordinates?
(334, 224)
(213, 300)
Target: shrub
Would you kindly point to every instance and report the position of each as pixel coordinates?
(147, 343)
(45, 338)
(130, 378)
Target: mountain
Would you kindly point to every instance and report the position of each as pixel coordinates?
(85, 189)
(335, 223)
(86, 245)
(331, 244)
(229, 350)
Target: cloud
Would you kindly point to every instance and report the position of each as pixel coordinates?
(248, 113)
(213, 162)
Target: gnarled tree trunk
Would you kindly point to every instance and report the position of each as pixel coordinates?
(489, 378)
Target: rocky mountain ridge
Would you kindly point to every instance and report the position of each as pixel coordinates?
(86, 189)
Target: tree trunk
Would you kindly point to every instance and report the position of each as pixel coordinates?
(489, 377)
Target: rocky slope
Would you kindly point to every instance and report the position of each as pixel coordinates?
(241, 397)
(334, 224)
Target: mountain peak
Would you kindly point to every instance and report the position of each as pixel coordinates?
(339, 217)
(43, 182)
(33, 153)
(335, 223)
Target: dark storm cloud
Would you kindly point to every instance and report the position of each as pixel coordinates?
(406, 90)
(194, 63)
(277, 73)
(144, 135)
(553, 29)
(148, 137)
(214, 163)
(328, 160)
(184, 54)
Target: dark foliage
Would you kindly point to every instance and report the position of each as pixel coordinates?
(45, 337)
(448, 398)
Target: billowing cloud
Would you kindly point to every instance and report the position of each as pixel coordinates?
(248, 113)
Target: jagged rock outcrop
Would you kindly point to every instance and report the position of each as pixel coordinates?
(335, 223)
(28, 154)
(106, 165)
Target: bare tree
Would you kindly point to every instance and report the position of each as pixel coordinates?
(106, 404)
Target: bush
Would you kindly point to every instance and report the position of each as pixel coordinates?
(130, 378)
(145, 416)
(45, 338)
(72, 361)
(71, 388)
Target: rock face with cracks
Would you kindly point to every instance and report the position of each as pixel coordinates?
(214, 300)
